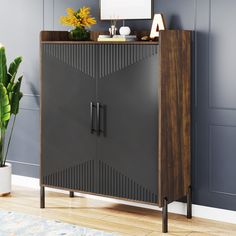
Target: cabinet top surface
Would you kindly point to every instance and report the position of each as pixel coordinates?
(96, 42)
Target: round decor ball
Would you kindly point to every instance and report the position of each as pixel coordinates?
(125, 30)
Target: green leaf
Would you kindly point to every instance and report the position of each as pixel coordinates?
(3, 66)
(14, 66)
(15, 97)
(5, 108)
(11, 82)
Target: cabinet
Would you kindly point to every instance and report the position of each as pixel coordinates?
(115, 118)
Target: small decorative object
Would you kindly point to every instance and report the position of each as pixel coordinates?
(157, 25)
(113, 29)
(117, 38)
(80, 20)
(125, 30)
(145, 38)
(10, 96)
(104, 36)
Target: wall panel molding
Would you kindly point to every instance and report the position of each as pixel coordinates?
(30, 102)
(222, 84)
(221, 154)
(23, 169)
(48, 14)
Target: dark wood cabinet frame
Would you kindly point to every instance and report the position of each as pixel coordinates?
(174, 119)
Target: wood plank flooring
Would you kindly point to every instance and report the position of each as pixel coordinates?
(110, 217)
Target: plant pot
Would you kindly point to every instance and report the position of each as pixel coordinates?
(79, 34)
(5, 179)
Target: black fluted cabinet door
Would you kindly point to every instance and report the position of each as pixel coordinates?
(122, 82)
(68, 87)
(127, 145)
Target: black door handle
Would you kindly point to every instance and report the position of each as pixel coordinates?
(101, 118)
(98, 118)
(92, 130)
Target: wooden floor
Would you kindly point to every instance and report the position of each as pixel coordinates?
(110, 217)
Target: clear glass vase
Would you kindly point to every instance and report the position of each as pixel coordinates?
(79, 34)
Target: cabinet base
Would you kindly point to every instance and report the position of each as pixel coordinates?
(42, 197)
(165, 216)
(72, 194)
(164, 209)
(189, 203)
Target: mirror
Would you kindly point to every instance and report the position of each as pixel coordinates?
(125, 9)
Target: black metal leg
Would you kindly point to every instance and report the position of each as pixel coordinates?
(165, 216)
(42, 197)
(189, 203)
(72, 194)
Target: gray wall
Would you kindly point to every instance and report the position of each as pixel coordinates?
(213, 93)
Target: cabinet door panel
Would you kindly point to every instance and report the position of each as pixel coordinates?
(127, 145)
(68, 87)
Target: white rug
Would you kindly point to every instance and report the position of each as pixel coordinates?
(17, 224)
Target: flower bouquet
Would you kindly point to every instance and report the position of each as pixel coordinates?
(80, 20)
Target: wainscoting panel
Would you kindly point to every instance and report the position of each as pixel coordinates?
(48, 12)
(222, 53)
(21, 22)
(24, 149)
(25, 140)
(221, 156)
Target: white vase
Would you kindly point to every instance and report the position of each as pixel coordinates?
(5, 179)
(125, 31)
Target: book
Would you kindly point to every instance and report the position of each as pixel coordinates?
(118, 38)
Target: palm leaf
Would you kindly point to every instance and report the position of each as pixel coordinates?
(14, 66)
(5, 108)
(11, 82)
(3, 66)
(15, 97)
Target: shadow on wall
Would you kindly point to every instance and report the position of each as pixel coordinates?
(175, 22)
(35, 91)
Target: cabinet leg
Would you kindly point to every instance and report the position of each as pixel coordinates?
(72, 194)
(165, 216)
(189, 203)
(42, 197)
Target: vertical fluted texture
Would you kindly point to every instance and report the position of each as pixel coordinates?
(100, 60)
(109, 181)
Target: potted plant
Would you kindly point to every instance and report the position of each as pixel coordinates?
(10, 96)
(80, 20)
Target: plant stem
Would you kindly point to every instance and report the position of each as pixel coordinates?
(9, 141)
(2, 162)
(1, 151)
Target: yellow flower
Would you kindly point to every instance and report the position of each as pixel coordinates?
(70, 19)
(81, 18)
(87, 22)
(84, 12)
(70, 11)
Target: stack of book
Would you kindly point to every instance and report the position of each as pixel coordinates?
(117, 38)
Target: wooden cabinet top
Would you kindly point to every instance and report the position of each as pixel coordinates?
(62, 37)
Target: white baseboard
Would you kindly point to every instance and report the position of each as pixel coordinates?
(175, 207)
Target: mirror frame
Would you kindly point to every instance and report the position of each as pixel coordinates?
(152, 13)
